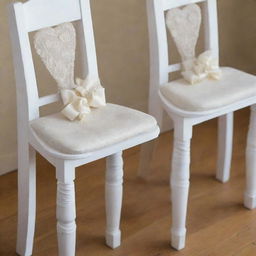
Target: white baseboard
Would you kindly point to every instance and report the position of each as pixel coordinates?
(8, 163)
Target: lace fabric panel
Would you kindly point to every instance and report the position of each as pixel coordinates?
(56, 47)
(184, 25)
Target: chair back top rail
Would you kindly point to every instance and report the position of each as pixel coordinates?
(169, 4)
(37, 14)
(40, 13)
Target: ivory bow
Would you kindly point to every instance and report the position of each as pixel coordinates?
(198, 69)
(78, 101)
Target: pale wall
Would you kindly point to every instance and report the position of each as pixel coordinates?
(122, 45)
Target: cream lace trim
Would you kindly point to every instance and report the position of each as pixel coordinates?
(184, 26)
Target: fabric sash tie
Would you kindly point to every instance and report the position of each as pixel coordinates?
(78, 101)
(198, 69)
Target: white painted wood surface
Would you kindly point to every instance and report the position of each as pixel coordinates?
(114, 194)
(26, 197)
(168, 4)
(42, 101)
(36, 12)
(225, 142)
(250, 192)
(180, 181)
(158, 58)
(24, 18)
(66, 210)
(185, 120)
(159, 74)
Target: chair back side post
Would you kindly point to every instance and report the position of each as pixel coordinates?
(34, 15)
(158, 55)
(158, 42)
(26, 86)
(211, 35)
(86, 35)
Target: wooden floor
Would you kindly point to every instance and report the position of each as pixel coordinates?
(217, 222)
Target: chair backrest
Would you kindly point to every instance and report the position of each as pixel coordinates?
(34, 15)
(159, 60)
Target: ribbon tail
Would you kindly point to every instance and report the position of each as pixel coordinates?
(70, 112)
(215, 74)
(191, 77)
(98, 98)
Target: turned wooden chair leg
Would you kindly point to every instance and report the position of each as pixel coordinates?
(113, 194)
(225, 145)
(146, 155)
(66, 210)
(250, 192)
(180, 185)
(26, 199)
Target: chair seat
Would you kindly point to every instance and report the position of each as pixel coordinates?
(234, 86)
(103, 127)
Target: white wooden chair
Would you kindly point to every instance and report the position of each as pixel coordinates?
(188, 107)
(120, 128)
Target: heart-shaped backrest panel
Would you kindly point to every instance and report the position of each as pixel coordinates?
(184, 26)
(56, 47)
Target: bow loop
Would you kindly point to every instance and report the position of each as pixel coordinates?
(67, 96)
(78, 101)
(198, 69)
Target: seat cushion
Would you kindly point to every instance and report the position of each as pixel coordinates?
(103, 127)
(234, 86)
